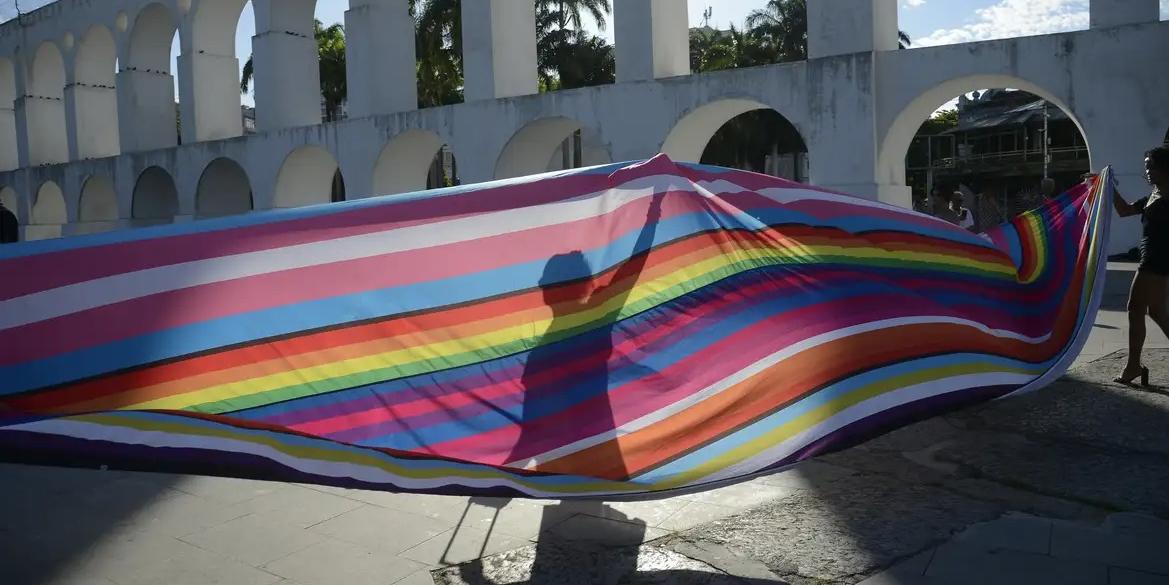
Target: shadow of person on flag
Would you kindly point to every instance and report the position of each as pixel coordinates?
(568, 424)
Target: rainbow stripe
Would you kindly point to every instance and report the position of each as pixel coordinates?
(616, 332)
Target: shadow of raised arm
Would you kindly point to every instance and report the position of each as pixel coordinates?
(631, 268)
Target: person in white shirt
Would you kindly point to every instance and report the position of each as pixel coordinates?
(963, 217)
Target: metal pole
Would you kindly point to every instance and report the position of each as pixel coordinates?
(1046, 139)
(929, 168)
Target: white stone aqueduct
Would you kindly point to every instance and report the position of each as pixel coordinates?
(87, 114)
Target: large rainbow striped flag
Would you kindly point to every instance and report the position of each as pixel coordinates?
(619, 332)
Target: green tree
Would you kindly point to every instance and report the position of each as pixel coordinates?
(331, 56)
(439, 44)
(580, 60)
(334, 85)
(567, 56)
(713, 50)
(782, 28)
(940, 122)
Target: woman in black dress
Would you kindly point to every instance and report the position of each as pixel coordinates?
(1151, 286)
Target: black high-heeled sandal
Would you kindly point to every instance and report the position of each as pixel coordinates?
(1143, 374)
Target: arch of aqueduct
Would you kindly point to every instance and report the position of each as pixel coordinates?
(87, 115)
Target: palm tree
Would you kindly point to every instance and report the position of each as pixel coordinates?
(712, 50)
(331, 51)
(571, 12)
(331, 56)
(568, 57)
(576, 59)
(439, 44)
(783, 26)
(709, 50)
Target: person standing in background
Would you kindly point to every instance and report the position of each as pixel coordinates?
(1047, 188)
(940, 206)
(963, 218)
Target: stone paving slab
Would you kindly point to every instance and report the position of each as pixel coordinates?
(1118, 576)
(957, 563)
(331, 562)
(1019, 533)
(1078, 542)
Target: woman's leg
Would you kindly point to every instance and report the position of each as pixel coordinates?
(1138, 308)
(1159, 301)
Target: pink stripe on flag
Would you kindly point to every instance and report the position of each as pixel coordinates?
(52, 270)
(234, 297)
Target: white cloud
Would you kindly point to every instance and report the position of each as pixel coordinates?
(916, 3)
(1015, 18)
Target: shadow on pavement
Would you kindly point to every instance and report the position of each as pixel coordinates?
(55, 520)
(1079, 450)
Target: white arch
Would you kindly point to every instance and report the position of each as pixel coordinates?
(45, 107)
(539, 147)
(48, 213)
(404, 163)
(214, 26)
(899, 136)
(9, 199)
(692, 133)
(306, 178)
(146, 82)
(295, 16)
(156, 198)
(151, 40)
(95, 98)
(210, 72)
(9, 158)
(224, 189)
(98, 207)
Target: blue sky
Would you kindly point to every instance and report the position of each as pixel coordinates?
(928, 22)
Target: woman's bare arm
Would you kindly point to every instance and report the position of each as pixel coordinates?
(1123, 208)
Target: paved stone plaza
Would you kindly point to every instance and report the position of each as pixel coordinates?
(1069, 485)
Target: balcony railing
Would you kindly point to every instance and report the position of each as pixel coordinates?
(1055, 155)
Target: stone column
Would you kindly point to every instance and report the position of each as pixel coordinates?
(93, 132)
(9, 147)
(147, 117)
(23, 139)
(499, 49)
(1120, 139)
(287, 76)
(1110, 13)
(843, 39)
(71, 118)
(210, 98)
(844, 27)
(652, 39)
(42, 120)
(380, 57)
(288, 80)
